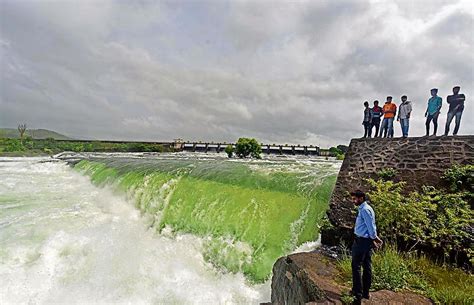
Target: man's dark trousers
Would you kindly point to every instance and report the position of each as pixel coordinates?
(361, 256)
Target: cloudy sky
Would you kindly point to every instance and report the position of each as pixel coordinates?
(280, 71)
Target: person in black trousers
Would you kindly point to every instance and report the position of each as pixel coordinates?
(366, 238)
(367, 122)
(377, 113)
(456, 107)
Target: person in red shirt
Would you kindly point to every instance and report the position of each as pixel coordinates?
(389, 111)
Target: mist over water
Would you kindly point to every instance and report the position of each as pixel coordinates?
(63, 240)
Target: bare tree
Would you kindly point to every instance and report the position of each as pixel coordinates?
(22, 129)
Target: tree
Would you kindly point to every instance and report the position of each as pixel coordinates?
(248, 147)
(229, 150)
(335, 151)
(22, 129)
(343, 148)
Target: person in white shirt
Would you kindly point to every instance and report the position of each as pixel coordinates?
(404, 112)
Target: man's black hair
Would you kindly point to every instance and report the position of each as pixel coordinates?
(376, 101)
(404, 96)
(434, 89)
(456, 87)
(389, 97)
(366, 103)
(358, 194)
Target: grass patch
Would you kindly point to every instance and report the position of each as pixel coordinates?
(397, 271)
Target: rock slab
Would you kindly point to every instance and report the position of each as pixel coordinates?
(310, 278)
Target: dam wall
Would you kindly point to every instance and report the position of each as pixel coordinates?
(418, 161)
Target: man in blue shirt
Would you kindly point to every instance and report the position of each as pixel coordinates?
(366, 238)
(432, 111)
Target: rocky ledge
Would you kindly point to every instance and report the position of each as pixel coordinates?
(310, 278)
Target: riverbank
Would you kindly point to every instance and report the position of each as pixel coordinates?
(40, 147)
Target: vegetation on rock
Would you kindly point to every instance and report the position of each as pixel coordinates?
(440, 219)
(387, 173)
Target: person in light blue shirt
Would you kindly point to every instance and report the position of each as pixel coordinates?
(366, 238)
(432, 112)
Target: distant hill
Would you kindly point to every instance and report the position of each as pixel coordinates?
(34, 133)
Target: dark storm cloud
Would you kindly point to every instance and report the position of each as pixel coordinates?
(291, 72)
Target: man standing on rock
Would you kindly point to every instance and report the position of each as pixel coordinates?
(389, 112)
(367, 122)
(432, 111)
(404, 112)
(377, 113)
(366, 238)
(456, 107)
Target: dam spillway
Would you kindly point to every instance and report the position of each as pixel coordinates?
(154, 229)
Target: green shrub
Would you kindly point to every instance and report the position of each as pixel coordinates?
(347, 299)
(229, 150)
(28, 143)
(12, 145)
(138, 147)
(248, 147)
(430, 217)
(459, 178)
(387, 173)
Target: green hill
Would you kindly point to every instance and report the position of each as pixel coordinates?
(34, 133)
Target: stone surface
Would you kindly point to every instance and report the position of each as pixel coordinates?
(309, 278)
(419, 161)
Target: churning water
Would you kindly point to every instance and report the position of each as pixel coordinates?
(65, 240)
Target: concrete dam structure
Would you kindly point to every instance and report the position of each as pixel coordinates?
(278, 149)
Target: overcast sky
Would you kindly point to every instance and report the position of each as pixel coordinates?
(279, 71)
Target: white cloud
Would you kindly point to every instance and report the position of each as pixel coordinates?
(291, 72)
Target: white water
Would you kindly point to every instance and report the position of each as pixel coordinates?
(65, 241)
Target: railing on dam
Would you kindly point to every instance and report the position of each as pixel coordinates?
(266, 148)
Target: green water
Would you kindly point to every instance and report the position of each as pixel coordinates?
(250, 213)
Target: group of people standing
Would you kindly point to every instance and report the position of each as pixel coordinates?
(382, 117)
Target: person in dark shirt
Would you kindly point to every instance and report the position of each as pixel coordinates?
(367, 120)
(376, 115)
(456, 107)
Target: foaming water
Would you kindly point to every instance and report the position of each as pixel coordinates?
(64, 240)
(250, 212)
